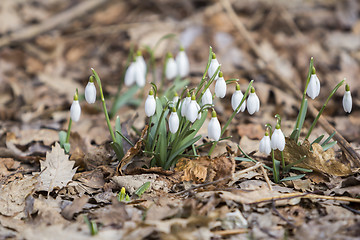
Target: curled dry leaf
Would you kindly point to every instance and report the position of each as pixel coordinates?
(205, 169)
(57, 170)
(317, 160)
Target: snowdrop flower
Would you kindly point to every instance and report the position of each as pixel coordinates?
(150, 104)
(90, 91)
(207, 97)
(141, 62)
(253, 102)
(171, 67)
(140, 74)
(214, 64)
(347, 99)
(182, 63)
(278, 139)
(265, 146)
(130, 74)
(236, 99)
(173, 121)
(184, 104)
(175, 98)
(75, 109)
(220, 86)
(313, 89)
(214, 128)
(192, 109)
(135, 74)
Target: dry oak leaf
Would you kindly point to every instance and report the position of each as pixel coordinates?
(57, 170)
(13, 195)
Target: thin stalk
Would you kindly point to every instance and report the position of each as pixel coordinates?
(68, 131)
(205, 72)
(322, 109)
(104, 105)
(276, 179)
(231, 117)
(158, 126)
(125, 138)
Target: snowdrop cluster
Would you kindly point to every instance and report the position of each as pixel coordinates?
(179, 67)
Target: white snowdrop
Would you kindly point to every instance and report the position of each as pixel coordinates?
(90, 91)
(207, 97)
(173, 121)
(236, 99)
(253, 102)
(184, 104)
(141, 62)
(140, 75)
(278, 139)
(220, 86)
(130, 74)
(191, 113)
(135, 74)
(265, 145)
(214, 64)
(182, 62)
(214, 128)
(150, 104)
(171, 68)
(313, 89)
(347, 99)
(75, 109)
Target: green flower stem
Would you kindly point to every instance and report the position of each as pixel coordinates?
(125, 138)
(68, 131)
(231, 117)
(158, 126)
(205, 72)
(276, 179)
(297, 125)
(104, 105)
(208, 84)
(322, 109)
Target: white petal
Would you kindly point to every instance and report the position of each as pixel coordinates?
(220, 88)
(90, 92)
(253, 103)
(347, 102)
(173, 122)
(175, 99)
(236, 99)
(278, 140)
(192, 111)
(184, 105)
(142, 64)
(140, 75)
(130, 75)
(214, 64)
(171, 69)
(214, 129)
(206, 98)
(150, 106)
(182, 63)
(198, 109)
(75, 111)
(313, 88)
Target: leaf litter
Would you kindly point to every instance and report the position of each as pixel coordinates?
(204, 198)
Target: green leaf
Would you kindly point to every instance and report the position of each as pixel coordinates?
(302, 169)
(251, 159)
(328, 139)
(317, 140)
(174, 155)
(292, 178)
(288, 167)
(66, 147)
(329, 145)
(123, 99)
(62, 138)
(92, 225)
(142, 189)
(118, 150)
(118, 136)
(294, 133)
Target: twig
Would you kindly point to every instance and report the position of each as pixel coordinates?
(346, 147)
(61, 19)
(305, 195)
(280, 215)
(266, 177)
(231, 231)
(235, 175)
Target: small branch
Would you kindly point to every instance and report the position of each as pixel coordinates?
(266, 177)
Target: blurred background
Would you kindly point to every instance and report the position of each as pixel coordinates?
(48, 47)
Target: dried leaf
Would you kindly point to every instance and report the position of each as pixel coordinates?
(57, 170)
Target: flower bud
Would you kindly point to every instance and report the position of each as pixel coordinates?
(192, 110)
(171, 68)
(150, 104)
(130, 75)
(220, 86)
(90, 91)
(278, 139)
(265, 145)
(347, 99)
(173, 121)
(75, 109)
(236, 99)
(214, 64)
(182, 63)
(214, 128)
(207, 97)
(184, 104)
(313, 89)
(253, 102)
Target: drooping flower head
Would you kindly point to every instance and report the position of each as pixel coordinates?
(182, 62)
(278, 138)
(90, 91)
(347, 99)
(253, 102)
(220, 86)
(173, 121)
(207, 97)
(136, 73)
(192, 110)
(236, 99)
(184, 104)
(214, 128)
(75, 109)
(171, 67)
(150, 104)
(313, 89)
(265, 145)
(141, 62)
(214, 64)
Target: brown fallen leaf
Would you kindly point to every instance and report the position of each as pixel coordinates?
(205, 169)
(57, 170)
(77, 205)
